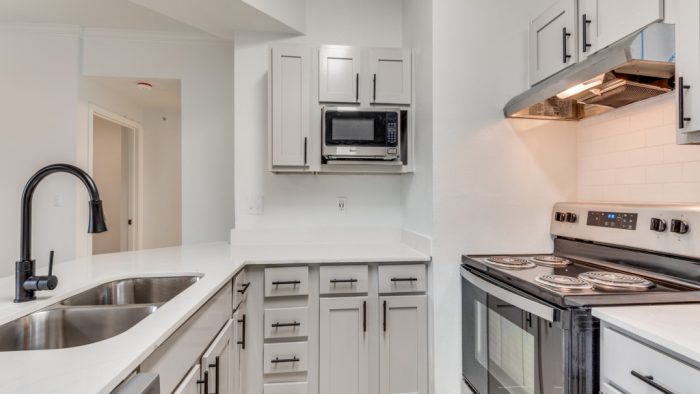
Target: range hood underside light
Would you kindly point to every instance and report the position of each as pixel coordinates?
(636, 68)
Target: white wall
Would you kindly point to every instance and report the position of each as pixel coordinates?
(205, 68)
(631, 155)
(39, 79)
(162, 225)
(309, 200)
(494, 180)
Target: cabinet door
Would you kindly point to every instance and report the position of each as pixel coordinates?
(290, 106)
(338, 74)
(403, 345)
(344, 346)
(601, 24)
(218, 360)
(688, 71)
(191, 383)
(390, 76)
(238, 353)
(553, 39)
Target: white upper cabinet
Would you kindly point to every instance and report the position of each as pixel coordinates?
(553, 39)
(339, 74)
(290, 106)
(688, 72)
(603, 22)
(390, 76)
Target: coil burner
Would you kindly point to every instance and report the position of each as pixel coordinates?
(616, 281)
(550, 261)
(564, 283)
(507, 262)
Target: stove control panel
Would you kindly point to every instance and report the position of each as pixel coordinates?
(621, 220)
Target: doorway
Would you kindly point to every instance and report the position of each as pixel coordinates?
(114, 170)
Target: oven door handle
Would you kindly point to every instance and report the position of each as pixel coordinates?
(534, 307)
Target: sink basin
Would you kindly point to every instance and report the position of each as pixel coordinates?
(68, 327)
(133, 291)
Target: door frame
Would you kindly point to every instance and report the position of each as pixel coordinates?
(134, 232)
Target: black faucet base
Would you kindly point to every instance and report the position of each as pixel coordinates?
(23, 271)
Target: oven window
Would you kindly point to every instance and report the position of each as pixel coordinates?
(353, 129)
(511, 351)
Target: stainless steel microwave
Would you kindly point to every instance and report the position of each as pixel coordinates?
(361, 133)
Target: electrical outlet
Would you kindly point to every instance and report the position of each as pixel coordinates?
(342, 204)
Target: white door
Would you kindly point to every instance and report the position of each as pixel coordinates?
(553, 39)
(290, 106)
(218, 360)
(344, 346)
(191, 384)
(238, 353)
(688, 72)
(390, 76)
(604, 22)
(339, 74)
(403, 345)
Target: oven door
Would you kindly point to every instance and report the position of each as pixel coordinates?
(361, 127)
(510, 343)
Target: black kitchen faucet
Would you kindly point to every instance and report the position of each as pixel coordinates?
(26, 283)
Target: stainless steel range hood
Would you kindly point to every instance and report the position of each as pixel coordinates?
(633, 69)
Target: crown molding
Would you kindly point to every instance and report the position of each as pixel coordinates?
(42, 28)
(150, 35)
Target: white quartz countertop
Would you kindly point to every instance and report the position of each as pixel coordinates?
(101, 366)
(670, 327)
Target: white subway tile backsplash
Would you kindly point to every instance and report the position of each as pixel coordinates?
(631, 155)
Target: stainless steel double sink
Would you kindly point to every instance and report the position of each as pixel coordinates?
(94, 315)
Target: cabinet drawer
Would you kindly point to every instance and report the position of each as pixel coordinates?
(286, 281)
(402, 278)
(343, 279)
(241, 286)
(286, 322)
(286, 388)
(285, 357)
(621, 355)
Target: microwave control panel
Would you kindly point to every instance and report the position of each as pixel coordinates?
(392, 129)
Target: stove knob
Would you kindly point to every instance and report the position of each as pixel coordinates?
(560, 217)
(570, 217)
(658, 225)
(679, 226)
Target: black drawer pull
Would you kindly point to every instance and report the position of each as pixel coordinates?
(242, 341)
(384, 317)
(364, 316)
(205, 381)
(648, 379)
(565, 49)
(286, 282)
(216, 382)
(278, 325)
(682, 87)
(278, 360)
(244, 288)
(343, 280)
(584, 32)
(404, 279)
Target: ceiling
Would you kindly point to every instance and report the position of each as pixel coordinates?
(109, 14)
(165, 93)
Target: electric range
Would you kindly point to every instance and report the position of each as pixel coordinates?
(526, 318)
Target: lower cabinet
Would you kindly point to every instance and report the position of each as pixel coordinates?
(344, 346)
(217, 361)
(403, 345)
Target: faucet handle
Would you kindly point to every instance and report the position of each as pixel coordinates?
(51, 263)
(48, 282)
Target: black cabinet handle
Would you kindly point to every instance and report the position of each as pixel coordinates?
(278, 325)
(278, 360)
(305, 150)
(384, 318)
(404, 279)
(216, 368)
(357, 87)
(565, 50)
(648, 379)
(584, 32)
(242, 341)
(364, 316)
(286, 282)
(205, 382)
(244, 288)
(343, 280)
(681, 103)
(374, 88)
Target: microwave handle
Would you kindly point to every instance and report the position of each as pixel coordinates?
(521, 302)
(305, 149)
(357, 87)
